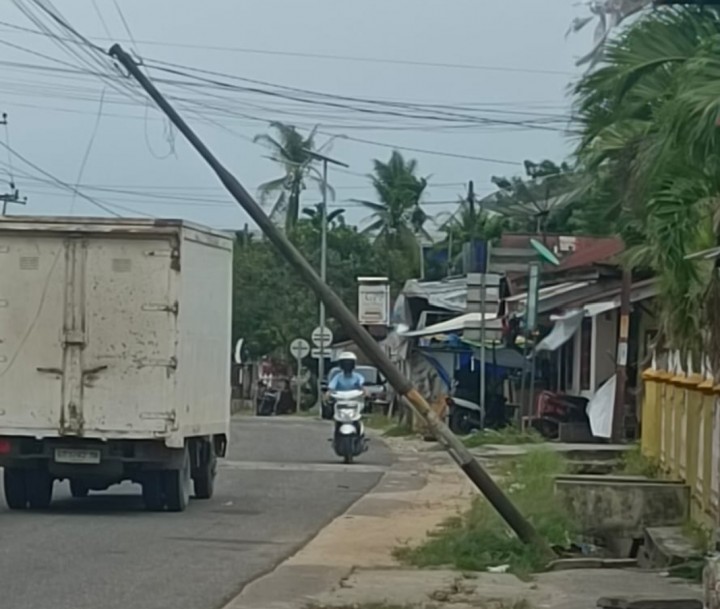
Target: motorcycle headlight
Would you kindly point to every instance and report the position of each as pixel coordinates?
(347, 413)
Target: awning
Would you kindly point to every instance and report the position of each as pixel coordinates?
(564, 329)
(503, 357)
(457, 324)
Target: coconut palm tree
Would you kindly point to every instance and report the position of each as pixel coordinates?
(397, 219)
(289, 148)
(650, 147)
(315, 214)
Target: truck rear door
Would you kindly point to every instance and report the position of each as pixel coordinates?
(87, 334)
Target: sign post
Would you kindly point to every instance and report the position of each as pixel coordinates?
(300, 349)
(321, 337)
(531, 316)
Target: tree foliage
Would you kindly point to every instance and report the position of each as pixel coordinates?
(397, 219)
(272, 306)
(289, 149)
(648, 154)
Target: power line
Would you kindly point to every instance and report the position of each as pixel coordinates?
(321, 56)
(66, 186)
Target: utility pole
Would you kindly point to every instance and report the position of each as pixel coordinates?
(618, 426)
(323, 261)
(369, 346)
(14, 195)
(483, 292)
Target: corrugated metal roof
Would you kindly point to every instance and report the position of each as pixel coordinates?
(589, 253)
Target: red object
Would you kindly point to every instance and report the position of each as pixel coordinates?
(5, 446)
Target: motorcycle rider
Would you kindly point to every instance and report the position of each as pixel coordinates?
(347, 379)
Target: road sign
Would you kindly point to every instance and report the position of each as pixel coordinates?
(322, 336)
(299, 348)
(316, 352)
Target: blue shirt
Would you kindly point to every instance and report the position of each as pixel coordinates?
(346, 382)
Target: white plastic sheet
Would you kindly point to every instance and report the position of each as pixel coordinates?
(563, 330)
(600, 409)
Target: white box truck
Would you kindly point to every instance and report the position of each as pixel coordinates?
(114, 357)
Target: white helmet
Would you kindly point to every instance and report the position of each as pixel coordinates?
(347, 355)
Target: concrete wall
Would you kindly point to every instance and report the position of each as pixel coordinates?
(617, 507)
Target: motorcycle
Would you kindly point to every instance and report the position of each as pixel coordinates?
(349, 436)
(464, 416)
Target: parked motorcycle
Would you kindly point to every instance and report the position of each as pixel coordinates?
(464, 416)
(349, 439)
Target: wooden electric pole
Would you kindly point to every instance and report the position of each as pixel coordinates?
(618, 426)
(369, 346)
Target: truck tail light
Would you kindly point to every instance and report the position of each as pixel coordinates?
(5, 446)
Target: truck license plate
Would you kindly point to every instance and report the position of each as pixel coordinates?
(74, 455)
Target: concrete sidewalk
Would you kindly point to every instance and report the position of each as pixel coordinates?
(350, 562)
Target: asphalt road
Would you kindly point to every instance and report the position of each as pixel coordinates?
(280, 485)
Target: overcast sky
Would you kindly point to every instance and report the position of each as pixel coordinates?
(505, 61)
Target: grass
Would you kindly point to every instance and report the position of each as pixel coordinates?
(495, 604)
(508, 435)
(634, 463)
(389, 427)
(479, 538)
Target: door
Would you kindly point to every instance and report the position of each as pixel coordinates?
(130, 321)
(32, 293)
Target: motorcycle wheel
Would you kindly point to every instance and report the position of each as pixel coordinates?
(460, 422)
(346, 446)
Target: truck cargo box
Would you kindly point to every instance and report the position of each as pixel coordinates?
(114, 329)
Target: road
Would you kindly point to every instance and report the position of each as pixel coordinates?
(280, 485)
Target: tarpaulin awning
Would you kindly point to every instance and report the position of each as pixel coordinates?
(563, 330)
(457, 324)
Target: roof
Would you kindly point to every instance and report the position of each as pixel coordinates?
(89, 224)
(593, 252)
(450, 294)
(469, 320)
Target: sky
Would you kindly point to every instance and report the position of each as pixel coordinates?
(499, 63)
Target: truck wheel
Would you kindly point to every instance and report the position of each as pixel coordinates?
(78, 489)
(153, 492)
(204, 480)
(177, 486)
(39, 488)
(15, 488)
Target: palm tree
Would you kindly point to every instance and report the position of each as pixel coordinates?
(289, 148)
(398, 218)
(531, 201)
(314, 214)
(650, 148)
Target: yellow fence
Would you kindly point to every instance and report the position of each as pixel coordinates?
(681, 431)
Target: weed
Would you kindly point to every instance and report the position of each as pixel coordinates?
(700, 535)
(479, 538)
(400, 430)
(508, 435)
(634, 463)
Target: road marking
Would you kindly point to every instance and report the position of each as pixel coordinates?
(357, 468)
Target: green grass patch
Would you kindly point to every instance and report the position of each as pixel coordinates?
(479, 538)
(389, 427)
(507, 436)
(634, 463)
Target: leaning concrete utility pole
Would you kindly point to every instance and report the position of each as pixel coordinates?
(484, 482)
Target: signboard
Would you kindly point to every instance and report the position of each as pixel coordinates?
(374, 301)
(300, 348)
(531, 313)
(322, 336)
(317, 352)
